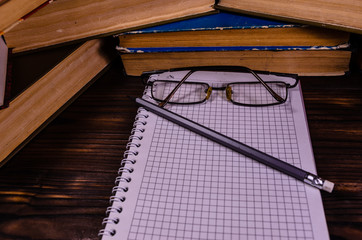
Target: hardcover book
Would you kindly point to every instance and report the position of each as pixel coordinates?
(345, 15)
(234, 39)
(66, 21)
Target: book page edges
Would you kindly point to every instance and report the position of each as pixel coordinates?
(13, 10)
(303, 63)
(340, 25)
(31, 109)
(46, 28)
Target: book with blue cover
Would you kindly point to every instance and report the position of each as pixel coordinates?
(233, 39)
(218, 21)
(230, 32)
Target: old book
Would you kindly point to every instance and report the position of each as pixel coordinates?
(230, 30)
(301, 62)
(345, 15)
(68, 20)
(232, 39)
(34, 107)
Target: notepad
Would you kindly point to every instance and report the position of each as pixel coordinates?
(175, 184)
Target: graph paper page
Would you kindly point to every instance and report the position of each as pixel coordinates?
(185, 186)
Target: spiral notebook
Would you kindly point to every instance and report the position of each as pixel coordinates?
(175, 184)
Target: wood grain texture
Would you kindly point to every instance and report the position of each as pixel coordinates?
(334, 111)
(344, 15)
(70, 20)
(13, 10)
(58, 186)
(33, 107)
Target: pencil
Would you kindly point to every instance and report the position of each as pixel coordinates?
(239, 147)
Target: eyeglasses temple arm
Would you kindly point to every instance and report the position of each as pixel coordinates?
(271, 91)
(165, 101)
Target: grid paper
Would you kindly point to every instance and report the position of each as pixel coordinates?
(193, 188)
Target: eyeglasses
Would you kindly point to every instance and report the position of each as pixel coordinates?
(251, 93)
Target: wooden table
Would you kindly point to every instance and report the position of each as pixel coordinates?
(58, 186)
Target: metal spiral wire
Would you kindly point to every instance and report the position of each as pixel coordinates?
(119, 192)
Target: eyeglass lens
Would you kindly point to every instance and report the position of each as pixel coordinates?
(256, 93)
(251, 93)
(187, 93)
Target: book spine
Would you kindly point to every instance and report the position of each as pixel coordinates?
(119, 192)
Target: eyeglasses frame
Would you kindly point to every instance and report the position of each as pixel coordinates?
(209, 89)
(192, 70)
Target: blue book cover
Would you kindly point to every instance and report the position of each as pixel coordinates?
(218, 21)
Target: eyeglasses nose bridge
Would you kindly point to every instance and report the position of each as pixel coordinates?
(229, 92)
(208, 92)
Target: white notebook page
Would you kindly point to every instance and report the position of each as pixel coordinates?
(187, 187)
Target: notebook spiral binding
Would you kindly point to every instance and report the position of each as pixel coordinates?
(119, 192)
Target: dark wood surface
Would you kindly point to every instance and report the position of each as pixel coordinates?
(59, 184)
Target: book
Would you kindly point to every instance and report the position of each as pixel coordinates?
(304, 63)
(344, 15)
(68, 21)
(230, 30)
(31, 110)
(13, 10)
(234, 39)
(5, 75)
(174, 183)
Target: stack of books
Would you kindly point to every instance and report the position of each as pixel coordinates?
(28, 26)
(237, 40)
(271, 37)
